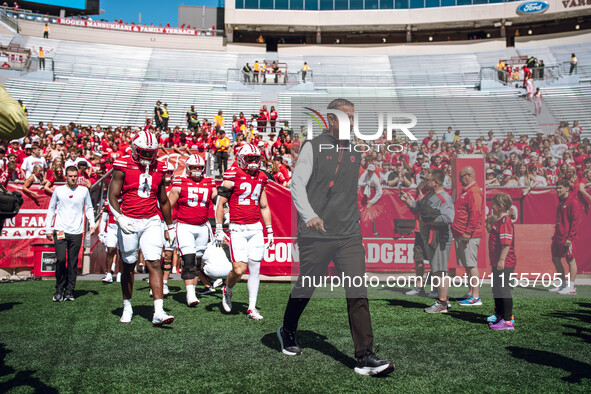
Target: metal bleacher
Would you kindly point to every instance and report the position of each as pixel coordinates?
(570, 103)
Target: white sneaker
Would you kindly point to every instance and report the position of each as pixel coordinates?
(165, 290)
(217, 283)
(126, 316)
(568, 290)
(254, 314)
(556, 289)
(227, 300)
(108, 278)
(192, 300)
(119, 277)
(174, 271)
(162, 318)
(416, 291)
(433, 294)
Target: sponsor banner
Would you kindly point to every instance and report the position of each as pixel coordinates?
(532, 8)
(127, 27)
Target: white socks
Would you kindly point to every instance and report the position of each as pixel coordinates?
(158, 306)
(127, 304)
(254, 268)
(190, 290)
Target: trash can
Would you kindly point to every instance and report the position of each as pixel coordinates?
(44, 260)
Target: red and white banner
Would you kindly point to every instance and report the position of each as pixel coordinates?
(131, 28)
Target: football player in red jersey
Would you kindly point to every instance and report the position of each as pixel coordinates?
(139, 181)
(191, 197)
(244, 190)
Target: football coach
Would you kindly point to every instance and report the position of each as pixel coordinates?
(324, 192)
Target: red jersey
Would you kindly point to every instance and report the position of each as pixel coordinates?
(194, 200)
(139, 194)
(244, 201)
(567, 217)
(5, 177)
(107, 209)
(552, 175)
(501, 234)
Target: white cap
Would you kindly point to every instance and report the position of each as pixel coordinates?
(60, 142)
(535, 154)
(371, 167)
(28, 146)
(490, 171)
(13, 141)
(425, 165)
(507, 172)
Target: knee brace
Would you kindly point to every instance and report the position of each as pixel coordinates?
(189, 269)
(166, 262)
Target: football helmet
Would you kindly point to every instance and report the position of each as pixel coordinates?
(169, 172)
(144, 148)
(249, 157)
(195, 167)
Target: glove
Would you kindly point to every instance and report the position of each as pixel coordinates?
(270, 238)
(219, 235)
(103, 238)
(125, 224)
(171, 234)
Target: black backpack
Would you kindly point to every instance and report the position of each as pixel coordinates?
(10, 203)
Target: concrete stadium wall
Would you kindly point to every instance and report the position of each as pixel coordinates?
(101, 36)
(547, 40)
(397, 49)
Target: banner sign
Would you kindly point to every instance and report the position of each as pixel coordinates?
(130, 28)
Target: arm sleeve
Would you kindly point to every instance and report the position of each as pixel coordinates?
(299, 181)
(474, 212)
(378, 187)
(88, 208)
(573, 219)
(51, 212)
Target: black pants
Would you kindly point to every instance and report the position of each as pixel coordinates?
(348, 256)
(222, 160)
(65, 278)
(45, 34)
(304, 76)
(41, 63)
(503, 292)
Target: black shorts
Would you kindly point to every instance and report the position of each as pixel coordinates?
(419, 249)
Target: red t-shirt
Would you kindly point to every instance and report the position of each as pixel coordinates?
(139, 197)
(194, 200)
(468, 212)
(246, 193)
(502, 233)
(567, 218)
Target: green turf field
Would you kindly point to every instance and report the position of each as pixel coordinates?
(81, 346)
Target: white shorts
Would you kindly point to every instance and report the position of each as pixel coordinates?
(148, 237)
(247, 242)
(167, 244)
(192, 239)
(111, 239)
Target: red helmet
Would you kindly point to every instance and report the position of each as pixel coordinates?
(249, 157)
(144, 148)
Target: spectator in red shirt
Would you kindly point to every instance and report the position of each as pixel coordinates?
(427, 140)
(273, 118)
(8, 173)
(467, 231)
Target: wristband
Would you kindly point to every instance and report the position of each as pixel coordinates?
(269, 229)
(219, 226)
(170, 226)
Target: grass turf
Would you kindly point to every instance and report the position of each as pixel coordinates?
(81, 346)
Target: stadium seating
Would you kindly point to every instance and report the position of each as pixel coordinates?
(570, 104)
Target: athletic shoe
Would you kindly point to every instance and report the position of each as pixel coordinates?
(438, 307)
(556, 289)
(192, 300)
(466, 296)
(159, 319)
(119, 277)
(217, 283)
(416, 291)
(568, 290)
(165, 290)
(108, 278)
(227, 300)
(289, 342)
(494, 318)
(470, 301)
(58, 296)
(140, 269)
(502, 325)
(433, 294)
(370, 364)
(207, 291)
(69, 296)
(126, 315)
(254, 314)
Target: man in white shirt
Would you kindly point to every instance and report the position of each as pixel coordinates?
(31, 161)
(369, 180)
(69, 203)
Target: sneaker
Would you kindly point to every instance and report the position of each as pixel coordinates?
(159, 319)
(433, 294)
(174, 271)
(254, 314)
(217, 283)
(192, 300)
(108, 278)
(289, 342)
(438, 307)
(69, 296)
(165, 290)
(492, 319)
(465, 296)
(126, 315)
(502, 325)
(58, 296)
(119, 277)
(416, 291)
(370, 364)
(227, 300)
(556, 289)
(568, 290)
(470, 301)
(207, 291)
(139, 269)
